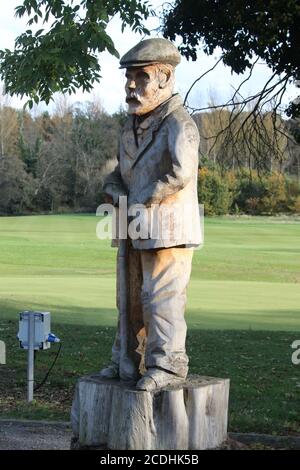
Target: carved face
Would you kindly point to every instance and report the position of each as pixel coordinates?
(146, 88)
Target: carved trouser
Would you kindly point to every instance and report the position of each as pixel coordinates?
(157, 282)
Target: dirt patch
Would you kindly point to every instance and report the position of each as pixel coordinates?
(34, 436)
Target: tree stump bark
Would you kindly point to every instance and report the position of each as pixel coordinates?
(108, 414)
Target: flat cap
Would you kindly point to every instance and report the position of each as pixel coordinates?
(151, 51)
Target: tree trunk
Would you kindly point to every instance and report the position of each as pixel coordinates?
(108, 414)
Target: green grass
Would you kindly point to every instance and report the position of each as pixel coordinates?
(243, 312)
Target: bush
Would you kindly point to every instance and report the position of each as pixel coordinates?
(295, 205)
(249, 193)
(293, 193)
(213, 192)
(275, 200)
(235, 193)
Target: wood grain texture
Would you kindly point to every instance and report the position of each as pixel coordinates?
(107, 414)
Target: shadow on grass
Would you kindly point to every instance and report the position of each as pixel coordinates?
(201, 318)
(264, 395)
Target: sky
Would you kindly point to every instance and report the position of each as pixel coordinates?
(219, 83)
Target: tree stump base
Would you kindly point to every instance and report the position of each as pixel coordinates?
(108, 414)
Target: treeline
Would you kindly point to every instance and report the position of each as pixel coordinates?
(235, 140)
(57, 163)
(249, 162)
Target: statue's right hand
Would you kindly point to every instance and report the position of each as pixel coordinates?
(108, 199)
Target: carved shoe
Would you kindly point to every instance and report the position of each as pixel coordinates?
(157, 378)
(110, 372)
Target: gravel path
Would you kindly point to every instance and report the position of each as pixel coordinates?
(45, 435)
(16, 435)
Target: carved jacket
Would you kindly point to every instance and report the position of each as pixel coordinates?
(157, 167)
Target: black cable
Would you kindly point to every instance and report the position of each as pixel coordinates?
(49, 370)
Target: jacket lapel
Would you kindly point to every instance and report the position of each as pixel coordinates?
(128, 139)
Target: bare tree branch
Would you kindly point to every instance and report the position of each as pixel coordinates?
(250, 130)
(198, 79)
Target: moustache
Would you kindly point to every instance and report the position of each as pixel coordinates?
(133, 97)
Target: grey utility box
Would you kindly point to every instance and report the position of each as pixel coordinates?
(42, 323)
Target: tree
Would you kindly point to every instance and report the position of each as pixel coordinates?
(15, 186)
(243, 30)
(230, 145)
(76, 145)
(94, 142)
(8, 126)
(63, 58)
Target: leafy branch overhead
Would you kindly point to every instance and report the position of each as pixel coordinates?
(63, 57)
(243, 30)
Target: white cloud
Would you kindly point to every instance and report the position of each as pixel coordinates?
(10, 26)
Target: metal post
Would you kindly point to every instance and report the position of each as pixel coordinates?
(30, 365)
(2, 353)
